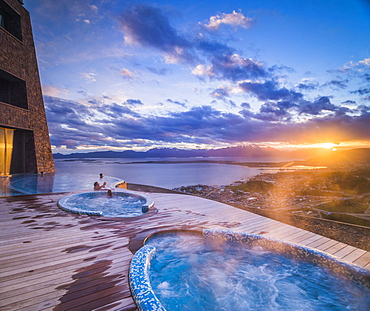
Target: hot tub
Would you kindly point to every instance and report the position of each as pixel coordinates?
(98, 203)
(224, 270)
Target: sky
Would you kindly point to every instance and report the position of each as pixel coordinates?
(135, 75)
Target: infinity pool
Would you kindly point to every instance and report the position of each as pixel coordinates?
(20, 184)
(231, 271)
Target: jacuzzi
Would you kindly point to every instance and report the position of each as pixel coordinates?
(98, 203)
(225, 270)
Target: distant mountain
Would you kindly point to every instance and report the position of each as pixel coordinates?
(312, 155)
(101, 154)
(246, 151)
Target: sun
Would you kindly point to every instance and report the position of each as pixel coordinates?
(327, 145)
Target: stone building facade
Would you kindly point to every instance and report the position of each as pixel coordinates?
(24, 136)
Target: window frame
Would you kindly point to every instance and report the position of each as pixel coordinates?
(10, 20)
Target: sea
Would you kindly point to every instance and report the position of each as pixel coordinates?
(168, 172)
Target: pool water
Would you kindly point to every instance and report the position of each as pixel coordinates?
(121, 204)
(20, 184)
(188, 272)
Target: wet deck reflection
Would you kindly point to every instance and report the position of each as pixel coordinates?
(54, 260)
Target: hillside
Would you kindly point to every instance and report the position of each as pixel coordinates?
(360, 155)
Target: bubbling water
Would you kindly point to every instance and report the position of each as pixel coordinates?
(189, 272)
(120, 204)
(117, 205)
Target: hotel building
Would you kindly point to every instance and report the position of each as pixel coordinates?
(24, 136)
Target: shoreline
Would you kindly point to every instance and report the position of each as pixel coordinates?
(349, 233)
(229, 162)
(357, 236)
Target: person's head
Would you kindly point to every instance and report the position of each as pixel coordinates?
(96, 184)
(109, 194)
(101, 175)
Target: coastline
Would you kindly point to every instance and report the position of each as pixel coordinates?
(230, 162)
(352, 234)
(356, 236)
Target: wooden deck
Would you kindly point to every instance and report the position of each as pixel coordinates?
(54, 260)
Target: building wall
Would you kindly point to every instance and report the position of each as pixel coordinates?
(20, 111)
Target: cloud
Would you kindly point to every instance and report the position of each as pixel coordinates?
(64, 13)
(284, 114)
(125, 73)
(365, 62)
(269, 90)
(283, 103)
(315, 108)
(361, 72)
(234, 19)
(359, 67)
(220, 93)
(334, 84)
(150, 27)
(53, 90)
(116, 111)
(65, 121)
(337, 84)
(343, 127)
(246, 105)
(176, 102)
(349, 102)
(133, 102)
(308, 85)
(275, 111)
(73, 124)
(89, 76)
(231, 67)
(203, 71)
(160, 72)
(362, 91)
(94, 8)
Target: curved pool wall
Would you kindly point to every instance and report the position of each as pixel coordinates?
(146, 299)
(141, 289)
(21, 184)
(72, 203)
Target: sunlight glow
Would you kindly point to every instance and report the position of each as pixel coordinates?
(327, 145)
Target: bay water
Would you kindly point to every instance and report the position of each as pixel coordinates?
(168, 174)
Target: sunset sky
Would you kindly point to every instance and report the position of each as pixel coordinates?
(120, 75)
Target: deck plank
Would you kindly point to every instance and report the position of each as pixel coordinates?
(354, 255)
(54, 260)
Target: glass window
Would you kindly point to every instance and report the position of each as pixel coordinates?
(10, 20)
(6, 148)
(13, 90)
(2, 152)
(2, 19)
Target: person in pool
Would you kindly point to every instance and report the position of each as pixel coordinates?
(109, 193)
(97, 186)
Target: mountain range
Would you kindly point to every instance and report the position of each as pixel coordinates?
(317, 154)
